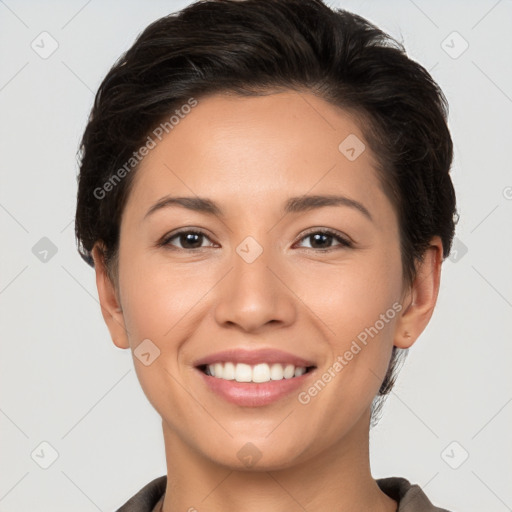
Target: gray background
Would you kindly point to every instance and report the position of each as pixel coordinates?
(63, 382)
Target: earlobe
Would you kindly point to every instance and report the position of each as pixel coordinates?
(110, 306)
(422, 297)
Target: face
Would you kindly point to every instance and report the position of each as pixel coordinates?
(250, 269)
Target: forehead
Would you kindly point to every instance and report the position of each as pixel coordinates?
(259, 149)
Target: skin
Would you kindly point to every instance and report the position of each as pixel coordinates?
(250, 155)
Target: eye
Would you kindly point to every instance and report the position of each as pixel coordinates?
(189, 240)
(322, 239)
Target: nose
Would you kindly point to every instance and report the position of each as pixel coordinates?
(256, 295)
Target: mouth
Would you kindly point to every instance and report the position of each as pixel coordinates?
(256, 385)
(258, 373)
(254, 378)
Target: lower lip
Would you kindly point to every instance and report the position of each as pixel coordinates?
(253, 394)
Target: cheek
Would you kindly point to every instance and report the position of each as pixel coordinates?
(158, 305)
(360, 310)
(352, 296)
(360, 305)
(156, 301)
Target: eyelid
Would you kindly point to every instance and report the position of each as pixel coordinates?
(164, 241)
(343, 240)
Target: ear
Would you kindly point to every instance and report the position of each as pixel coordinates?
(421, 299)
(109, 302)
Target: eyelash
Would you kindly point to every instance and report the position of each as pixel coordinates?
(344, 243)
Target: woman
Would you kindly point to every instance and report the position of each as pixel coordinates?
(264, 194)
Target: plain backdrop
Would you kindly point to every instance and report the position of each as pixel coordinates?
(446, 426)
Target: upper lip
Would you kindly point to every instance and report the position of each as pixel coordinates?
(253, 357)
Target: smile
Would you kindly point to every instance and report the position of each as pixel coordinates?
(258, 373)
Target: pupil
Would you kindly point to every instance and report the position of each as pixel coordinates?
(320, 236)
(189, 239)
(193, 239)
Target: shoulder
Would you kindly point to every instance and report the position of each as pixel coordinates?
(146, 499)
(410, 497)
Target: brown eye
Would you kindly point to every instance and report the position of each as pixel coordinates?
(323, 240)
(189, 240)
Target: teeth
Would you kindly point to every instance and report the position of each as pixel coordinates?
(228, 372)
(243, 373)
(261, 373)
(258, 373)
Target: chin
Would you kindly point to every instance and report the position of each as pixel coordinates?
(257, 454)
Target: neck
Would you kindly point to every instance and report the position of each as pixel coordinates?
(338, 479)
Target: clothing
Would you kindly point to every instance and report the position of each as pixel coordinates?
(410, 498)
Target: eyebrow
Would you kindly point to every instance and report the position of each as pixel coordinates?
(292, 205)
